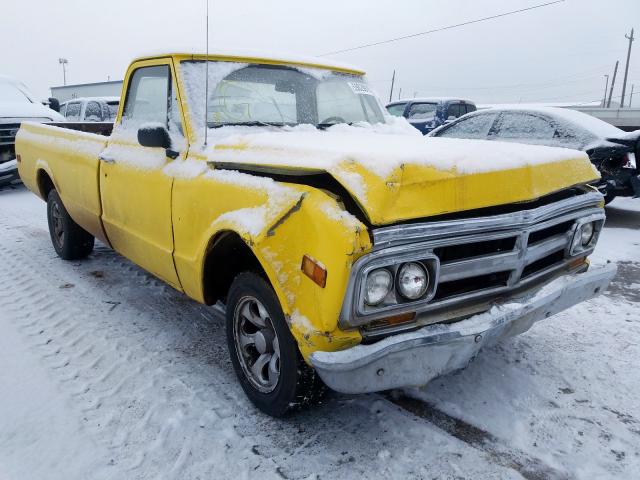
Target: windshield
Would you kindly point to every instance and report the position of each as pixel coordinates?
(241, 94)
(12, 94)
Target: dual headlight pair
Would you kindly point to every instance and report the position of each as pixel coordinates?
(411, 281)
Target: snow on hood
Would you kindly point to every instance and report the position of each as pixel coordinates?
(395, 173)
(379, 149)
(19, 110)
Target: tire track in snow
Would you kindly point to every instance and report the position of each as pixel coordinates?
(174, 408)
(105, 382)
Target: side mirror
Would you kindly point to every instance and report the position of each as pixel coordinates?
(156, 136)
(54, 104)
(450, 119)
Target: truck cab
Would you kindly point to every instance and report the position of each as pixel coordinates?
(427, 114)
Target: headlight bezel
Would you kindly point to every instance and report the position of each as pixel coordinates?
(393, 261)
(576, 247)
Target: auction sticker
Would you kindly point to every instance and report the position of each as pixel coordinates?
(360, 88)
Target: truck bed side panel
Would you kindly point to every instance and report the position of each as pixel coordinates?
(70, 159)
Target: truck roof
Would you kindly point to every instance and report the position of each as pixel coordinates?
(269, 58)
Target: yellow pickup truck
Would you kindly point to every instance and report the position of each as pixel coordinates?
(349, 251)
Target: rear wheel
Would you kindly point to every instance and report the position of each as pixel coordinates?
(70, 240)
(264, 354)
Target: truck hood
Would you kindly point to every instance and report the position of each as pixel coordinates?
(11, 112)
(396, 177)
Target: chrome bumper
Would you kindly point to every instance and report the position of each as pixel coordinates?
(415, 358)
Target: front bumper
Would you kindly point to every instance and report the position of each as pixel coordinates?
(415, 358)
(9, 173)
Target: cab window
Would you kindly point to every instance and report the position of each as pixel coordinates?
(148, 94)
(73, 111)
(93, 112)
(396, 110)
(422, 111)
(477, 127)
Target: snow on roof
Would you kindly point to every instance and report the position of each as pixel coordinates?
(250, 56)
(431, 100)
(588, 122)
(96, 99)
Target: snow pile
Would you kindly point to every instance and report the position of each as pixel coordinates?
(124, 148)
(79, 143)
(381, 154)
(337, 214)
(189, 168)
(254, 220)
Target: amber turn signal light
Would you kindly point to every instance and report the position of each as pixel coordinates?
(314, 270)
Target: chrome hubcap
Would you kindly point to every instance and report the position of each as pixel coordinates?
(256, 344)
(58, 226)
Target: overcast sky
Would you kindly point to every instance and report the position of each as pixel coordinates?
(557, 53)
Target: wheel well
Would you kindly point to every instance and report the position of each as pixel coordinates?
(227, 256)
(45, 184)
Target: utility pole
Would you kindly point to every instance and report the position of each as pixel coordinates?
(626, 69)
(606, 87)
(400, 93)
(613, 82)
(63, 62)
(631, 96)
(393, 81)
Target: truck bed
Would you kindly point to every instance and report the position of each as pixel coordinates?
(65, 156)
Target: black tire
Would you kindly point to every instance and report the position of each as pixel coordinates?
(70, 240)
(297, 384)
(609, 197)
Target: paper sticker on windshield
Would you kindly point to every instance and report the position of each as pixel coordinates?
(360, 88)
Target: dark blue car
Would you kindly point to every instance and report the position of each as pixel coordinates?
(428, 113)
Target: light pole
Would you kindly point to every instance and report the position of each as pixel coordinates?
(606, 87)
(63, 62)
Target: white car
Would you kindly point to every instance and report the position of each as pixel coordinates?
(91, 109)
(17, 104)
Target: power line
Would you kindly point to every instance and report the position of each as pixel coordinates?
(449, 27)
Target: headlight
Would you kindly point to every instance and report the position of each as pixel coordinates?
(586, 233)
(378, 286)
(413, 280)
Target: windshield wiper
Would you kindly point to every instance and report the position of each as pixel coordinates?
(323, 126)
(253, 123)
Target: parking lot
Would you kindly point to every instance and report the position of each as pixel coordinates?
(108, 373)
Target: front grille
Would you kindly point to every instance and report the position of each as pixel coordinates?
(471, 284)
(8, 133)
(478, 258)
(458, 252)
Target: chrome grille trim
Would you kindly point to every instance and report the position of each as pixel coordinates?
(401, 234)
(418, 240)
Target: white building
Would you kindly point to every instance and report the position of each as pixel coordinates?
(98, 89)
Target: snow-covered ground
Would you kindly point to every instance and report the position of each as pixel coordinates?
(107, 373)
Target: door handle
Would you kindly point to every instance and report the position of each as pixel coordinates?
(106, 158)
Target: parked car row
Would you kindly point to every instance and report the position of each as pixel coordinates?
(427, 114)
(17, 104)
(90, 109)
(613, 151)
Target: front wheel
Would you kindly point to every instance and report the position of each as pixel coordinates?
(70, 240)
(264, 354)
